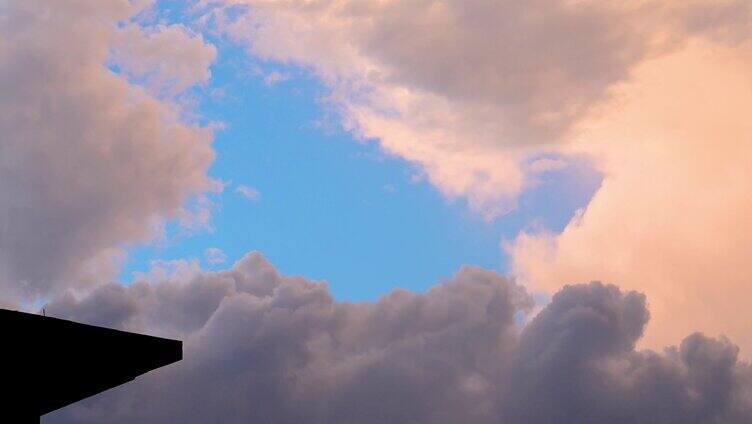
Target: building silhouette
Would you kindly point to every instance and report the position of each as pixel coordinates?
(49, 363)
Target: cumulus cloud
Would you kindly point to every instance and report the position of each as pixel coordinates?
(469, 90)
(672, 217)
(89, 161)
(265, 347)
(655, 92)
(167, 58)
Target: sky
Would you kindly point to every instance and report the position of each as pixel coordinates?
(326, 205)
(389, 211)
(322, 197)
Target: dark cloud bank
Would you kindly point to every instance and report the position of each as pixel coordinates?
(261, 347)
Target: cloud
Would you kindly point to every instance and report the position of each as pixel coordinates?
(576, 362)
(471, 90)
(264, 347)
(89, 161)
(175, 269)
(215, 256)
(167, 58)
(672, 217)
(275, 77)
(656, 92)
(653, 93)
(248, 192)
(542, 165)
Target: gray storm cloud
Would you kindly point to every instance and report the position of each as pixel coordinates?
(88, 161)
(264, 347)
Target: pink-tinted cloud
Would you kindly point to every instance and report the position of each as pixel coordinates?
(673, 217)
(88, 161)
(168, 59)
(471, 90)
(654, 92)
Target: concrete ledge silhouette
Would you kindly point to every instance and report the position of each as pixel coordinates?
(49, 363)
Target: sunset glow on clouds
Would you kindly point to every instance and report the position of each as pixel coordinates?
(131, 134)
(655, 92)
(672, 217)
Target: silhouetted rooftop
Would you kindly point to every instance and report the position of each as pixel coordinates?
(50, 363)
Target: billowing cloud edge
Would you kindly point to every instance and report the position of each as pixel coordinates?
(260, 345)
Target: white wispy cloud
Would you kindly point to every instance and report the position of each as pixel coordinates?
(248, 192)
(215, 256)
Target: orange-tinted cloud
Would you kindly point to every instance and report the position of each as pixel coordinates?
(656, 92)
(673, 217)
(470, 90)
